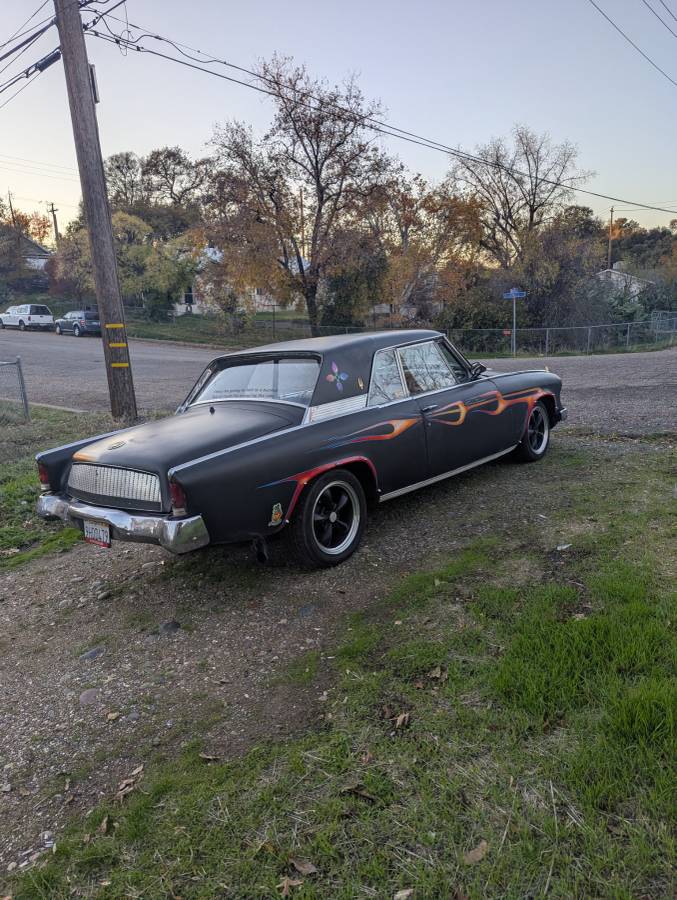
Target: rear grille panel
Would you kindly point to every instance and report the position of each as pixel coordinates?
(110, 486)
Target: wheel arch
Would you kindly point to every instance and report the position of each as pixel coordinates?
(548, 400)
(359, 466)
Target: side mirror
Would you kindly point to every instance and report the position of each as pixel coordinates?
(476, 370)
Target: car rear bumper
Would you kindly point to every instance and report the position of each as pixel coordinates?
(175, 535)
(562, 414)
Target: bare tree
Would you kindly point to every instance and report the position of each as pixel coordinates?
(519, 187)
(291, 192)
(124, 179)
(173, 177)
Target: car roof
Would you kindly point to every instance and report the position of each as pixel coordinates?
(370, 341)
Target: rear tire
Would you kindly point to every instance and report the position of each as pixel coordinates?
(22, 325)
(329, 520)
(2, 325)
(76, 331)
(536, 437)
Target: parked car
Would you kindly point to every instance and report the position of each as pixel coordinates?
(30, 315)
(303, 436)
(79, 322)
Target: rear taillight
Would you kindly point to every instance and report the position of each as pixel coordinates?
(43, 475)
(82, 321)
(178, 497)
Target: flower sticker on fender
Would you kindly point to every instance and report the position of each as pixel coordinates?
(336, 376)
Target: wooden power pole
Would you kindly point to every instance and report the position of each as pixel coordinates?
(97, 211)
(56, 224)
(611, 227)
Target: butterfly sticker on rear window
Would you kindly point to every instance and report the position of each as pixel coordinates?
(337, 376)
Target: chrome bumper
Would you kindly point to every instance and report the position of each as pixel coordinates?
(175, 535)
(563, 414)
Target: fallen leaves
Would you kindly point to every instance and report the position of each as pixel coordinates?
(359, 790)
(127, 785)
(477, 854)
(209, 757)
(404, 894)
(303, 866)
(287, 884)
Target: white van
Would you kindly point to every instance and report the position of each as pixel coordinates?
(30, 315)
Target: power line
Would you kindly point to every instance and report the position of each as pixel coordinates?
(370, 123)
(662, 2)
(16, 93)
(30, 172)
(660, 19)
(23, 25)
(36, 162)
(632, 43)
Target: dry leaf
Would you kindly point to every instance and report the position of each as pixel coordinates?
(286, 885)
(267, 846)
(476, 855)
(366, 757)
(303, 866)
(103, 827)
(137, 771)
(86, 838)
(404, 894)
(402, 720)
(209, 758)
(112, 716)
(357, 788)
(438, 673)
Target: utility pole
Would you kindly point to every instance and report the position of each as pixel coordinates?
(56, 224)
(11, 208)
(611, 225)
(303, 228)
(97, 212)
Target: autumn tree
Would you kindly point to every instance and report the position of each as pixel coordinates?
(172, 177)
(284, 198)
(125, 180)
(520, 187)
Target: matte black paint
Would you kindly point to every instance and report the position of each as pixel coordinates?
(237, 459)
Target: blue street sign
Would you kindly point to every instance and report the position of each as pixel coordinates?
(514, 294)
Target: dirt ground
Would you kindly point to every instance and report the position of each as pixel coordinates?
(111, 658)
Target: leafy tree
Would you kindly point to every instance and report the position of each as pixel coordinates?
(283, 199)
(520, 188)
(172, 177)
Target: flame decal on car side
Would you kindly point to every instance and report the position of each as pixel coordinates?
(499, 401)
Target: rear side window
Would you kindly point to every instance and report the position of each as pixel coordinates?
(386, 381)
(40, 311)
(425, 369)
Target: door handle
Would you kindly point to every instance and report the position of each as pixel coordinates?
(428, 409)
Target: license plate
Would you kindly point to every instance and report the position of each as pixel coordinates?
(95, 533)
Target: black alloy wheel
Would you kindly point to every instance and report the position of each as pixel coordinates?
(536, 436)
(330, 519)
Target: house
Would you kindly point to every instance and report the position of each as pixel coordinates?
(616, 281)
(33, 255)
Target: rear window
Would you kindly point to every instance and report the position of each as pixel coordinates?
(91, 316)
(287, 379)
(40, 311)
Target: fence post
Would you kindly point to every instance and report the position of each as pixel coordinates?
(627, 337)
(547, 341)
(22, 388)
(589, 339)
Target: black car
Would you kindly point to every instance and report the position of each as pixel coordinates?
(302, 436)
(79, 322)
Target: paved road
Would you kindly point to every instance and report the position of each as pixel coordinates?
(626, 393)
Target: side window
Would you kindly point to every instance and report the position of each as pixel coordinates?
(425, 369)
(455, 364)
(386, 381)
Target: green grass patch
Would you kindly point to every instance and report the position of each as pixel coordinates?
(24, 536)
(484, 736)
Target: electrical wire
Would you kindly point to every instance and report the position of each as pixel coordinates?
(36, 162)
(632, 43)
(660, 18)
(19, 32)
(370, 123)
(16, 93)
(667, 8)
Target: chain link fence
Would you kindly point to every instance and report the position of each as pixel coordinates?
(13, 398)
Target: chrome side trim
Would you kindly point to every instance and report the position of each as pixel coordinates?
(422, 484)
(245, 400)
(336, 408)
(175, 535)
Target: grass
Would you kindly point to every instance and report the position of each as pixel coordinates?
(23, 536)
(500, 725)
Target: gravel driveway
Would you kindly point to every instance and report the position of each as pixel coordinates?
(631, 393)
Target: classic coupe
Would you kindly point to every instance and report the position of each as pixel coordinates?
(302, 435)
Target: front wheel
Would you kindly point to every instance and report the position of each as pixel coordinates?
(57, 328)
(536, 436)
(330, 519)
(2, 325)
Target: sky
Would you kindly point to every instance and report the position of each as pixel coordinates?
(455, 71)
